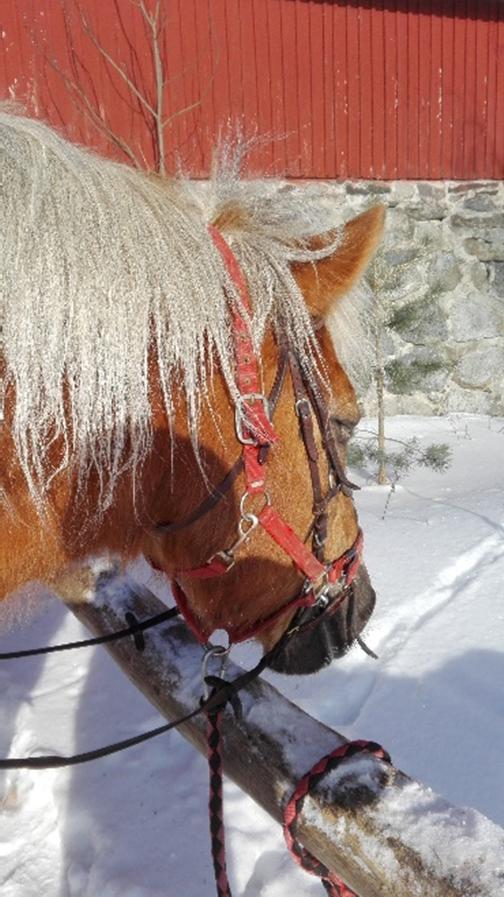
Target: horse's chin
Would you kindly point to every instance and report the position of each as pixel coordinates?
(332, 636)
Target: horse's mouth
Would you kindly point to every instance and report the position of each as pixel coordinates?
(315, 647)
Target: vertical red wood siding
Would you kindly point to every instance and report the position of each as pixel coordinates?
(371, 89)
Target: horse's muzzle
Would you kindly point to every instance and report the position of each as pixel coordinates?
(332, 635)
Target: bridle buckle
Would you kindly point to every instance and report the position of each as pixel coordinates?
(226, 556)
(325, 590)
(241, 420)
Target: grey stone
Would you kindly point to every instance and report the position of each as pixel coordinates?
(430, 236)
(479, 275)
(364, 188)
(497, 406)
(428, 323)
(431, 191)
(485, 250)
(400, 226)
(468, 186)
(400, 256)
(482, 221)
(476, 316)
(482, 202)
(423, 370)
(493, 235)
(388, 344)
(444, 272)
(402, 191)
(472, 401)
(481, 367)
(416, 403)
(435, 379)
(428, 211)
(498, 278)
(445, 254)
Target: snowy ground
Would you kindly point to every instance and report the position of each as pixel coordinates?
(135, 825)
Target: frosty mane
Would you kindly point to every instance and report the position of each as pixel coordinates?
(102, 265)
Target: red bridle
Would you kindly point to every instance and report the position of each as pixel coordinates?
(255, 432)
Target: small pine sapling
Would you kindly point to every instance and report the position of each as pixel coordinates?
(386, 281)
(396, 463)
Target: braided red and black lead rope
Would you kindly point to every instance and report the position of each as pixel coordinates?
(334, 886)
(215, 804)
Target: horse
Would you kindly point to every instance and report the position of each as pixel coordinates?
(162, 345)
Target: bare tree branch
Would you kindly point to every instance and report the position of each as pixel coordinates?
(144, 89)
(113, 64)
(159, 75)
(92, 114)
(179, 112)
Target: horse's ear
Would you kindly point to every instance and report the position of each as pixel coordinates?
(325, 281)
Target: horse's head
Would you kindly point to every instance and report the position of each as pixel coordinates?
(133, 375)
(260, 587)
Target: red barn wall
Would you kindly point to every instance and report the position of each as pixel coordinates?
(384, 89)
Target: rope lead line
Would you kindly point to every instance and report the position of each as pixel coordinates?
(223, 692)
(134, 629)
(55, 762)
(334, 886)
(217, 700)
(215, 804)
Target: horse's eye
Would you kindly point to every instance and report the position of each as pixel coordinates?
(343, 428)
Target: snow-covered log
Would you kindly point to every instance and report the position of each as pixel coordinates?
(383, 833)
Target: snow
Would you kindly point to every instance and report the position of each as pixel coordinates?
(135, 825)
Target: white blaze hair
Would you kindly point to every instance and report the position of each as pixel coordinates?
(101, 265)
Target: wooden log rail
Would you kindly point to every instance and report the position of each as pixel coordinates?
(384, 834)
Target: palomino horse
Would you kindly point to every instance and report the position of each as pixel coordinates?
(144, 323)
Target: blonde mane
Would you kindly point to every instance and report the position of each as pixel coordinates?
(102, 264)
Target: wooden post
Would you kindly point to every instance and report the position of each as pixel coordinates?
(384, 834)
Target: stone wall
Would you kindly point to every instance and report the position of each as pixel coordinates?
(444, 347)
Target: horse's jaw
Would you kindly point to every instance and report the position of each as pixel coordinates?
(331, 637)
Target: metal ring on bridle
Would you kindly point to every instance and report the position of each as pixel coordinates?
(251, 520)
(210, 652)
(247, 515)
